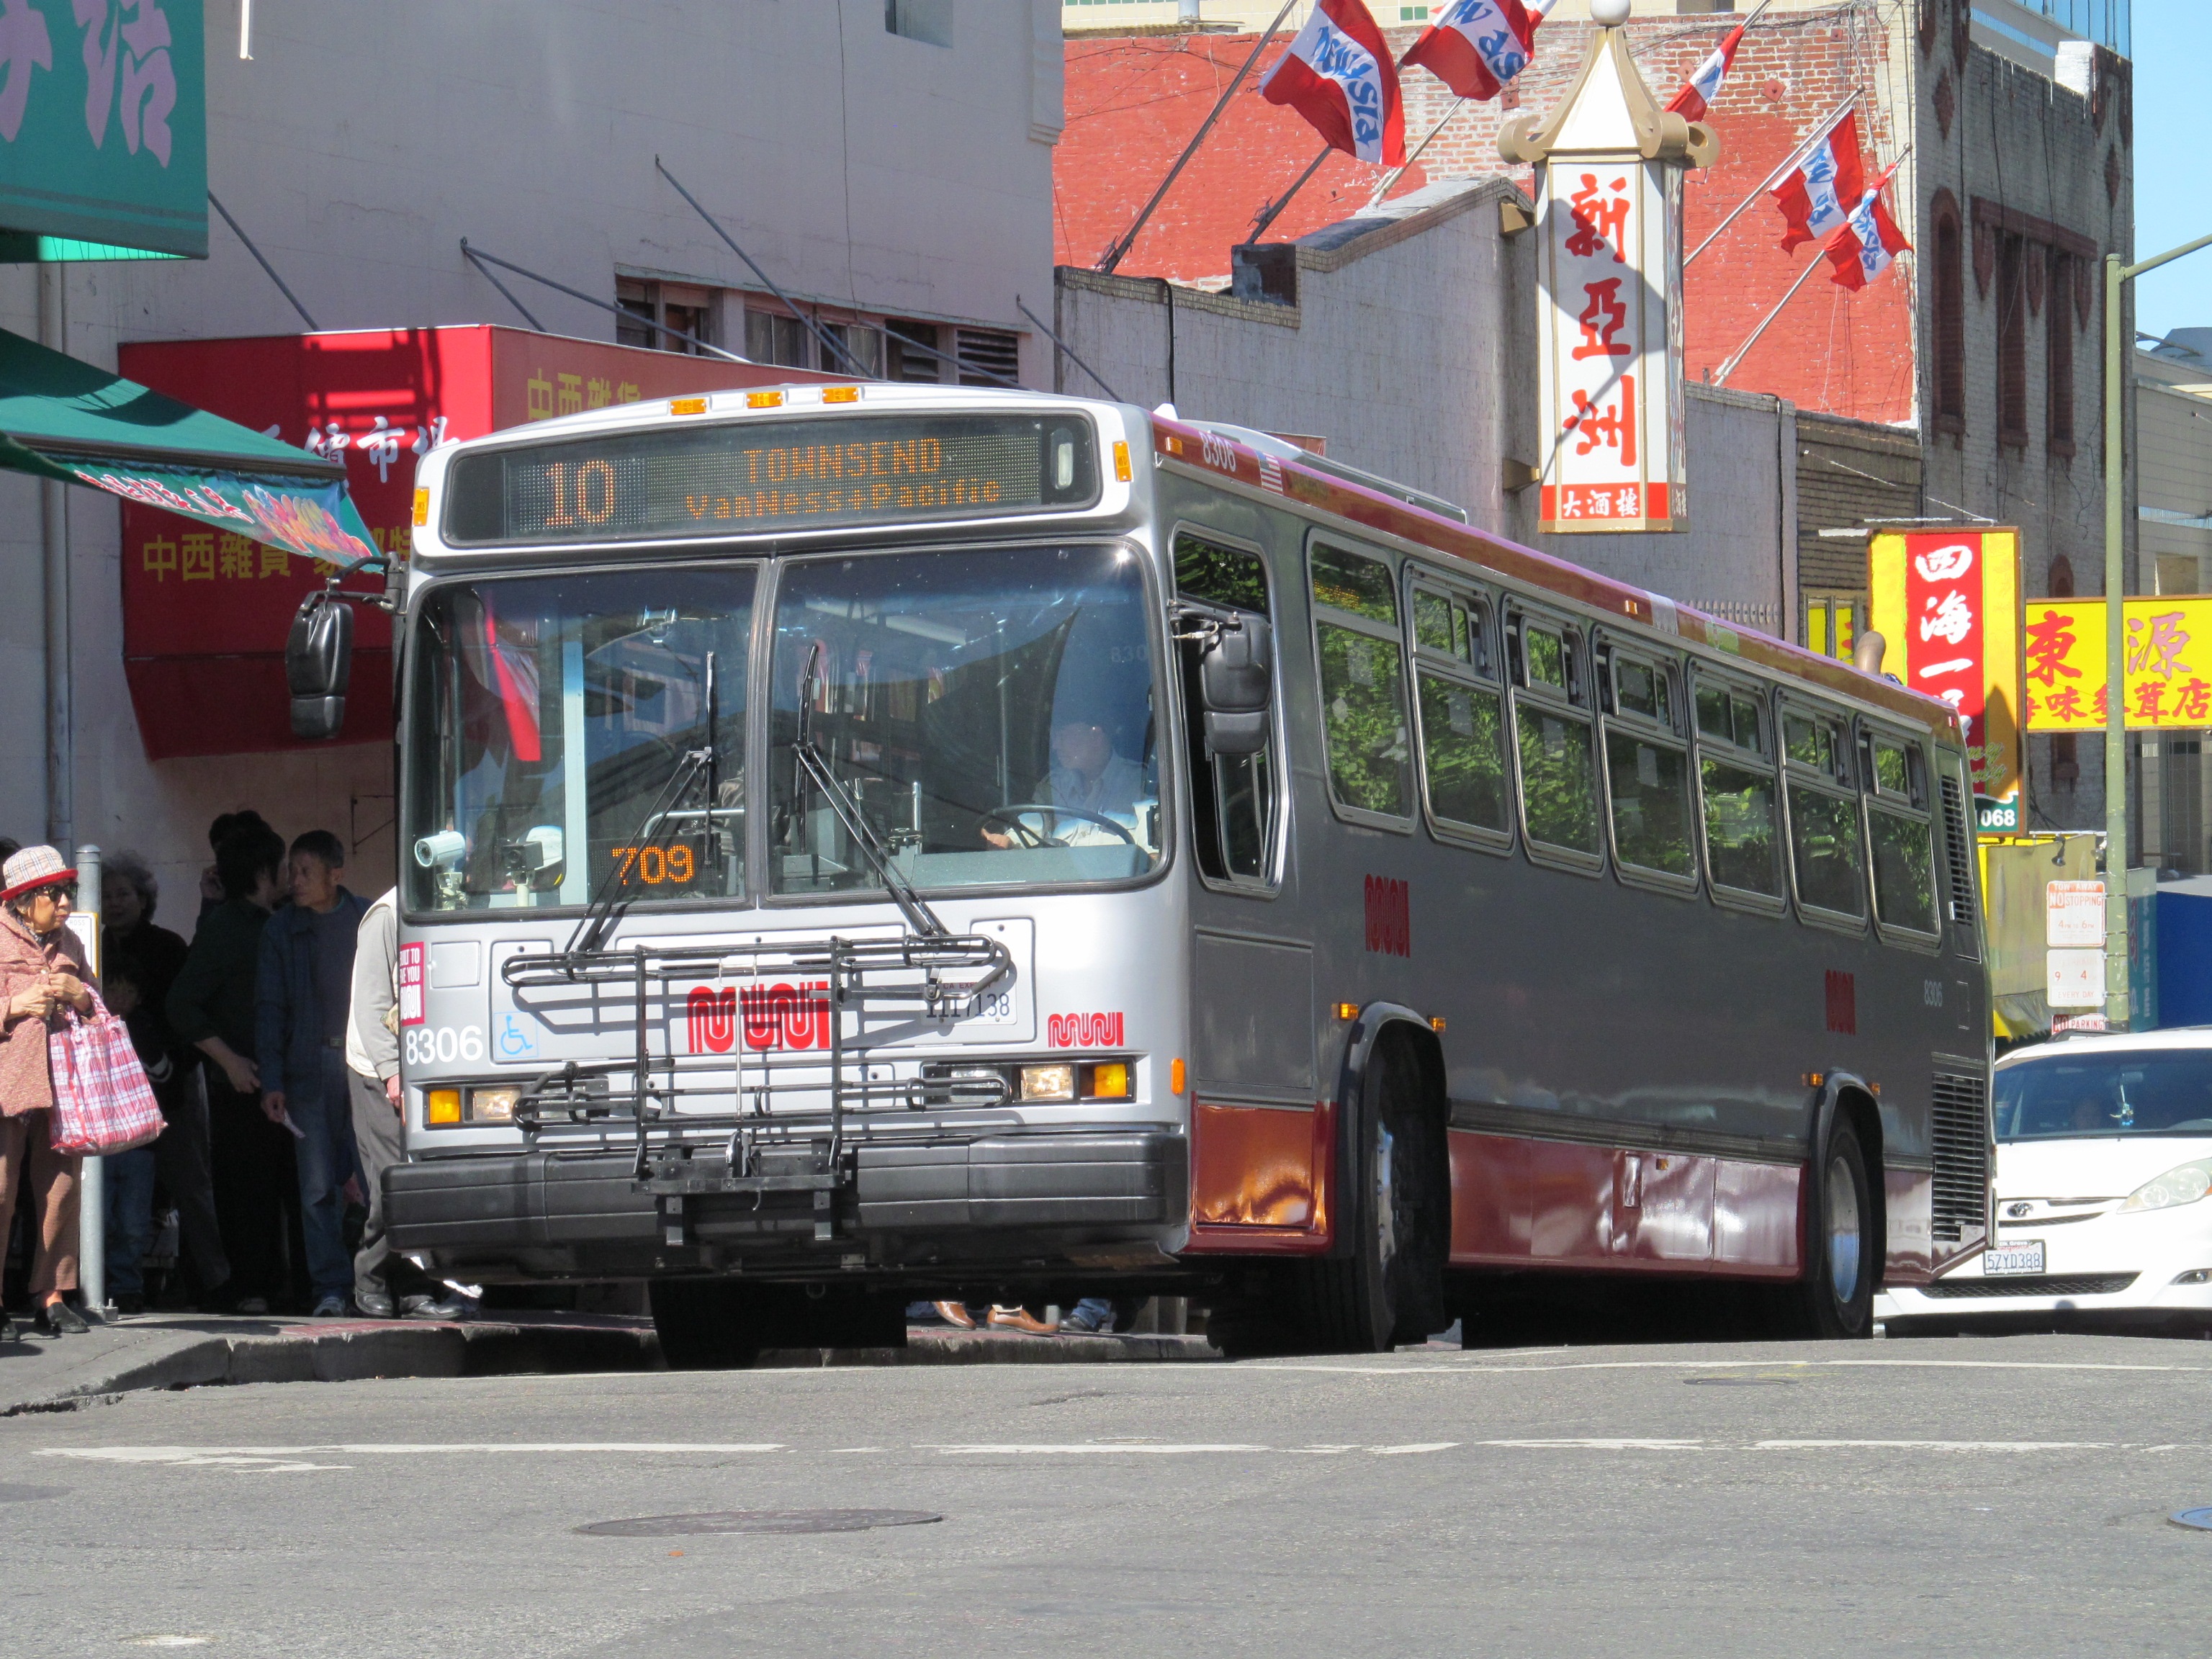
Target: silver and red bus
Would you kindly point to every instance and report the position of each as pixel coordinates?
(870, 842)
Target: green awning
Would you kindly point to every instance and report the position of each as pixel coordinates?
(60, 418)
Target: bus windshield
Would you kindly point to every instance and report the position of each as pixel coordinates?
(549, 717)
(2143, 1091)
(991, 715)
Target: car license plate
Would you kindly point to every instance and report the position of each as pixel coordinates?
(2026, 1258)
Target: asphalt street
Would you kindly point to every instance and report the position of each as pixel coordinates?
(1908, 1497)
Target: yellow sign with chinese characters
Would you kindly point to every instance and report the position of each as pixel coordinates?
(1946, 605)
(2064, 674)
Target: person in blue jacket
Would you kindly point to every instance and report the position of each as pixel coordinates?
(304, 989)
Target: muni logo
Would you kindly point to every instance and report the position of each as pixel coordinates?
(776, 1016)
(1083, 1030)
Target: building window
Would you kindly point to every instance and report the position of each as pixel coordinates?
(987, 357)
(654, 314)
(1950, 318)
(863, 349)
(2058, 321)
(927, 20)
(912, 352)
(778, 337)
(2012, 340)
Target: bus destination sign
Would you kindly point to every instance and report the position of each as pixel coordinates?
(740, 477)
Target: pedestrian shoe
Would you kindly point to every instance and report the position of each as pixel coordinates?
(375, 1304)
(1020, 1319)
(332, 1306)
(8, 1331)
(59, 1319)
(954, 1316)
(127, 1302)
(1087, 1322)
(431, 1307)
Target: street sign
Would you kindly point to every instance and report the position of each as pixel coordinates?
(1997, 818)
(2074, 916)
(2074, 979)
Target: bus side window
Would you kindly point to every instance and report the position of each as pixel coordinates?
(1901, 833)
(1233, 797)
(1362, 685)
(1648, 766)
(1742, 806)
(1552, 728)
(1826, 856)
(1462, 724)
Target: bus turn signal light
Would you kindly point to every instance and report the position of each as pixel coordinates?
(445, 1106)
(1347, 1011)
(421, 507)
(1109, 1080)
(1436, 1024)
(1120, 461)
(1177, 1078)
(1815, 1080)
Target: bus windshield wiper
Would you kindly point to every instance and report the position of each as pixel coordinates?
(609, 903)
(815, 770)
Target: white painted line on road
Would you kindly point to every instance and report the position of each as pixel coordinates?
(1421, 1446)
(1938, 1445)
(207, 1454)
(1151, 1449)
(1449, 1369)
(1594, 1444)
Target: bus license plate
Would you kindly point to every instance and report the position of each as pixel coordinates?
(993, 1007)
(2026, 1258)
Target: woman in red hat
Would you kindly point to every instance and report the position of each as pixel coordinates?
(42, 971)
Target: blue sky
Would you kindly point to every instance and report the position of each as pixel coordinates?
(2172, 45)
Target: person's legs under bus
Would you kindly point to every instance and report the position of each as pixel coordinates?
(379, 1273)
(324, 1150)
(130, 1193)
(180, 1158)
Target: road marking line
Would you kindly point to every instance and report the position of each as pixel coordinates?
(1029, 1450)
(1597, 1443)
(1449, 1369)
(205, 1454)
(1938, 1445)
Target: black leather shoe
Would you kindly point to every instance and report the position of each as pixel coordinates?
(430, 1307)
(375, 1304)
(59, 1319)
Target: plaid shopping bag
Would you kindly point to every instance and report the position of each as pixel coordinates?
(102, 1101)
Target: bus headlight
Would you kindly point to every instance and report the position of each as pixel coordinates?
(493, 1105)
(2183, 1184)
(1048, 1083)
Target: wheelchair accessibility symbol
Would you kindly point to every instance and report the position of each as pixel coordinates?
(513, 1043)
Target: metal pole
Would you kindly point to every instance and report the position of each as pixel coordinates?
(1068, 348)
(1796, 159)
(1115, 254)
(480, 258)
(92, 1182)
(268, 269)
(1270, 213)
(1390, 179)
(53, 502)
(1721, 375)
(2116, 631)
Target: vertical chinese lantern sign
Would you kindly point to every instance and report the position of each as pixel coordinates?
(1609, 163)
(1947, 607)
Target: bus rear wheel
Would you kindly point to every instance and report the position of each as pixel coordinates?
(1395, 1201)
(1843, 1257)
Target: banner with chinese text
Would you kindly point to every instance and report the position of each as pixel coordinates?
(103, 129)
(2169, 669)
(1946, 604)
(1611, 383)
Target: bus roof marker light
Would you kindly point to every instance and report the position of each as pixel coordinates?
(763, 400)
(1120, 460)
(841, 394)
(687, 405)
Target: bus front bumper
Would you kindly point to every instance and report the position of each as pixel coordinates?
(1076, 1198)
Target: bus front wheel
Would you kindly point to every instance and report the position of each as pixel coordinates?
(1843, 1257)
(1394, 1198)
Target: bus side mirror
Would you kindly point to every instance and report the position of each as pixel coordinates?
(1235, 673)
(317, 664)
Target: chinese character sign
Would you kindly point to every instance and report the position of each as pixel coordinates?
(1946, 604)
(2168, 680)
(1610, 381)
(103, 129)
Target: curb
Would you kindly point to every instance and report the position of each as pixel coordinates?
(949, 1347)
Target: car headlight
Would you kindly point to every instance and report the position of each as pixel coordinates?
(2184, 1184)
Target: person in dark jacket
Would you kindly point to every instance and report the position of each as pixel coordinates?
(306, 988)
(210, 1006)
(139, 963)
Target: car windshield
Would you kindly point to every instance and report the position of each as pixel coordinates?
(990, 714)
(549, 716)
(2146, 1091)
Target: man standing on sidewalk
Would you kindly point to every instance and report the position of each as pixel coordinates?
(383, 1284)
(306, 985)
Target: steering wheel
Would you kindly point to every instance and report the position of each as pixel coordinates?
(1011, 816)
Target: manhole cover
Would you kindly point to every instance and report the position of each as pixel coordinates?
(15, 1494)
(1739, 1382)
(769, 1520)
(2196, 1519)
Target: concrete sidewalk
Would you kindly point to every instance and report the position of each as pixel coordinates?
(178, 1351)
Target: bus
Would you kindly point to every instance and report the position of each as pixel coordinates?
(867, 843)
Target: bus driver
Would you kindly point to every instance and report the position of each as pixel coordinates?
(1089, 775)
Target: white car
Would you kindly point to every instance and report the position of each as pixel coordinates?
(2103, 1167)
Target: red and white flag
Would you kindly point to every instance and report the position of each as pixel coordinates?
(1869, 240)
(1817, 195)
(1339, 75)
(1476, 46)
(1704, 86)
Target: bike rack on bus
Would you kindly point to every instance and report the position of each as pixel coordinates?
(938, 977)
